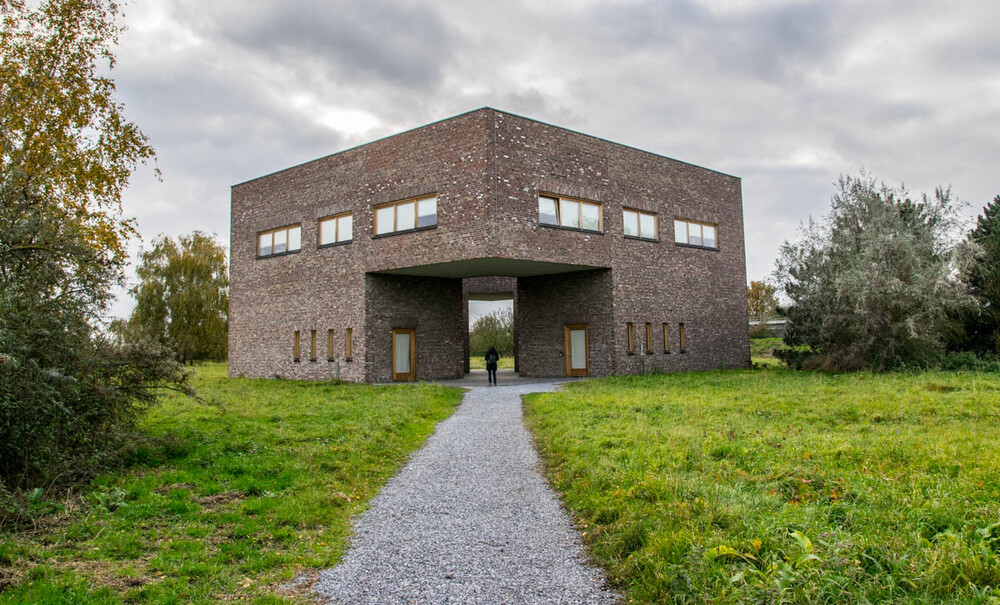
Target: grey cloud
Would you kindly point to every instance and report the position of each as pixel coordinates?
(376, 40)
(770, 42)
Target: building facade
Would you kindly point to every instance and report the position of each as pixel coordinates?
(360, 265)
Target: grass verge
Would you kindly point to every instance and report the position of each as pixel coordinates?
(778, 486)
(225, 504)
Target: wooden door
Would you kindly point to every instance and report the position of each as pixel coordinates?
(404, 354)
(577, 350)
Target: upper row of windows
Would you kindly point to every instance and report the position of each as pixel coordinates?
(421, 213)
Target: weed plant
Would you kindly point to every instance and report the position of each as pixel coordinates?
(227, 503)
(783, 487)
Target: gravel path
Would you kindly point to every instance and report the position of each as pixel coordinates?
(469, 519)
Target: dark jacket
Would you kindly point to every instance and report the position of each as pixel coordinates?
(492, 357)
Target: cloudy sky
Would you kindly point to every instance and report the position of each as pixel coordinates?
(785, 94)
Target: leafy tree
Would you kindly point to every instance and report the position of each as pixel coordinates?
(495, 329)
(762, 304)
(872, 285)
(67, 393)
(182, 297)
(983, 279)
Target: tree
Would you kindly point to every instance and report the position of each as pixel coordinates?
(983, 279)
(762, 304)
(872, 285)
(495, 329)
(182, 297)
(67, 393)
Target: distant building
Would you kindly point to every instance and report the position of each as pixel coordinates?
(617, 259)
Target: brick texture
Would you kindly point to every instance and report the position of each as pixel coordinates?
(487, 169)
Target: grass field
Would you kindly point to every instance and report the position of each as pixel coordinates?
(225, 504)
(774, 486)
(476, 362)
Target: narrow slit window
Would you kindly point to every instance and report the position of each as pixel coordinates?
(312, 346)
(348, 344)
(680, 332)
(649, 338)
(329, 345)
(666, 338)
(406, 215)
(295, 347)
(630, 337)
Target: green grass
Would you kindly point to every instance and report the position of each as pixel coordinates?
(775, 486)
(225, 504)
(478, 363)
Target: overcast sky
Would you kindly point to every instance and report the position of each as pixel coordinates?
(785, 94)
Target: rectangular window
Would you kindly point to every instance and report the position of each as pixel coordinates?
(312, 346)
(649, 339)
(630, 338)
(279, 241)
(692, 233)
(348, 344)
(666, 338)
(406, 215)
(336, 229)
(295, 347)
(639, 224)
(329, 345)
(570, 213)
(680, 332)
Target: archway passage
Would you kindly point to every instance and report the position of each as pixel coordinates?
(491, 299)
(435, 300)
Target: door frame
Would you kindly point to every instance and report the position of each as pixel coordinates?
(412, 374)
(568, 353)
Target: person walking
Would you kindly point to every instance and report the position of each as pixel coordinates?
(492, 358)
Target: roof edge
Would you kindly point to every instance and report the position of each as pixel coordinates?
(470, 112)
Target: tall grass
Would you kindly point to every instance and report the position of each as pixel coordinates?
(776, 486)
(225, 503)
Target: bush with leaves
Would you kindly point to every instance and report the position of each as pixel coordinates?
(982, 324)
(873, 284)
(68, 395)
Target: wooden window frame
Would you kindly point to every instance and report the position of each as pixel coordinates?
(656, 225)
(687, 234)
(416, 215)
(287, 229)
(649, 338)
(296, 347)
(666, 339)
(312, 346)
(683, 337)
(329, 345)
(335, 219)
(580, 202)
(629, 338)
(349, 344)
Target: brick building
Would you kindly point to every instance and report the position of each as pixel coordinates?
(361, 264)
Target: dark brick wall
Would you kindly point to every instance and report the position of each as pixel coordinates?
(547, 304)
(430, 305)
(487, 168)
